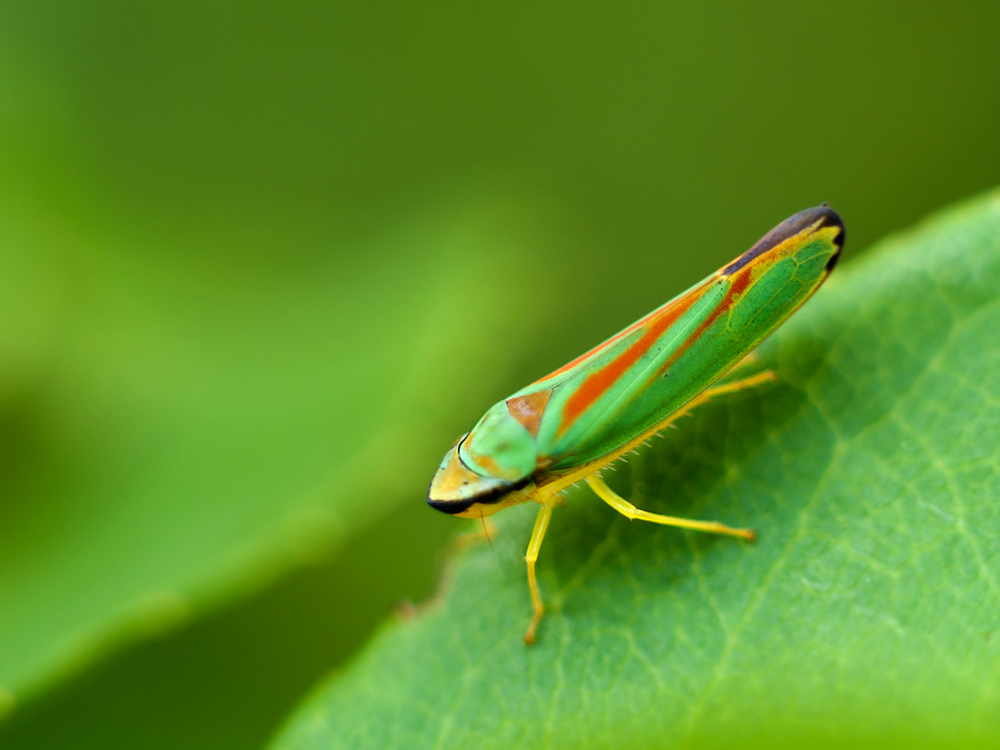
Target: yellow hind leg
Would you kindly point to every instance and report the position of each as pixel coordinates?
(630, 511)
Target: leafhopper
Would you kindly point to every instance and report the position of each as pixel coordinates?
(570, 424)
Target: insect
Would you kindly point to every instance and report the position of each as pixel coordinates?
(570, 424)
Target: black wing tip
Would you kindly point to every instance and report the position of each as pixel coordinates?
(830, 218)
(822, 214)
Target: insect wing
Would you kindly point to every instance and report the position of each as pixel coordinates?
(637, 378)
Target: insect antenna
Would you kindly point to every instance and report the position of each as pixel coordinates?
(486, 533)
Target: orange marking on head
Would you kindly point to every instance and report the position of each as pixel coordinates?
(449, 482)
(528, 410)
(487, 463)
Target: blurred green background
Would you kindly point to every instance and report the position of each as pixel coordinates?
(259, 264)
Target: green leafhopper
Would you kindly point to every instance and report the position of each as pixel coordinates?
(572, 423)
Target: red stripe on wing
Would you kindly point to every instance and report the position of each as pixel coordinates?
(598, 383)
(738, 284)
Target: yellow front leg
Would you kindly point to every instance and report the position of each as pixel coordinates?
(541, 525)
(630, 511)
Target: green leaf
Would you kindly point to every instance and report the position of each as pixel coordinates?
(181, 423)
(869, 608)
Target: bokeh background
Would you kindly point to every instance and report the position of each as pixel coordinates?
(260, 263)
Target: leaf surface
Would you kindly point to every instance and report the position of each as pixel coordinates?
(869, 608)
